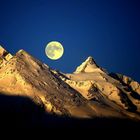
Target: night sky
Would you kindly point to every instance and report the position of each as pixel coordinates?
(108, 30)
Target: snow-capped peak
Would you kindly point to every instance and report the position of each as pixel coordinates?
(89, 65)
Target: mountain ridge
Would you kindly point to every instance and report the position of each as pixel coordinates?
(89, 92)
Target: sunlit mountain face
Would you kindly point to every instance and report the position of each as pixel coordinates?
(32, 94)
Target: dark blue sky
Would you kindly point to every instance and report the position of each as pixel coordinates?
(108, 30)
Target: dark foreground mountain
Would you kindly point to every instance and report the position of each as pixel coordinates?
(34, 95)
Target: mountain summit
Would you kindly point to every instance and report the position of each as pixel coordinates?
(89, 92)
(89, 65)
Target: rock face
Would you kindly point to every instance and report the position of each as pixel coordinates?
(89, 92)
(127, 81)
(4, 56)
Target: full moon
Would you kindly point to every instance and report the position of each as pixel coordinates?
(54, 50)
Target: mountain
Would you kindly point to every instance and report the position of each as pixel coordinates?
(89, 93)
(113, 90)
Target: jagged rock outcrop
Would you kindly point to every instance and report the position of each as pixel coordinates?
(127, 81)
(4, 56)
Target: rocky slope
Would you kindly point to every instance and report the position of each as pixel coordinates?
(23, 75)
(91, 82)
(90, 92)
